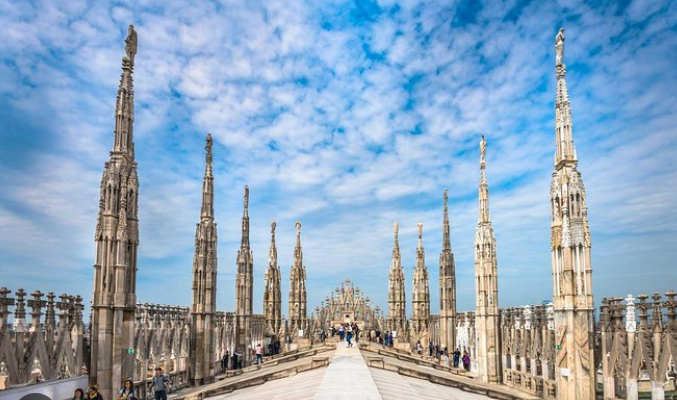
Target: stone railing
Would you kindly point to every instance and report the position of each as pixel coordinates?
(161, 339)
(528, 349)
(637, 358)
(50, 347)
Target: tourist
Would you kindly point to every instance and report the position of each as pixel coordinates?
(431, 348)
(79, 394)
(466, 361)
(341, 332)
(93, 393)
(390, 338)
(419, 347)
(356, 330)
(259, 354)
(457, 356)
(233, 361)
(127, 392)
(349, 337)
(323, 336)
(224, 361)
(160, 384)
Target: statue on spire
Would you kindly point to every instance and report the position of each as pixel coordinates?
(396, 227)
(298, 228)
(483, 151)
(246, 196)
(272, 228)
(130, 46)
(559, 47)
(208, 148)
(420, 231)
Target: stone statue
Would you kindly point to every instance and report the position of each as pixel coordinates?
(420, 230)
(396, 227)
(273, 225)
(298, 227)
(559, 47)
(483, 150)
(246, 196)
(208, 147)
(130, 47)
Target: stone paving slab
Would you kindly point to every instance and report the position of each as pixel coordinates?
(347, 377)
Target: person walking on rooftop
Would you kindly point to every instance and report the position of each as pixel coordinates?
(466, 361)
(342, 332)
(457, 357)
(349, 336)
(259, 354)
(161, 383)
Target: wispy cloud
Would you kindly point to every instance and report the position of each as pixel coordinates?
(346, 115)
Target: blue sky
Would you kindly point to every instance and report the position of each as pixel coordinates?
(346, 115)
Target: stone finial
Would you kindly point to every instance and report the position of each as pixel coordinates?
(630, 318)
(671, 306)
(643, 312)
(246, 196)
(550, 315)
(5, 302)
(420, 235)
(50, 320)
(64, 310)
(657, 316)
(36, 305)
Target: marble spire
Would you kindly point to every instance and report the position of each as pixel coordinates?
(447, 285)
(272, 297)
(486, 285)
(570, 248)
(204, 280)
(420, 289)
(397, 303)
(244, 284)
(297, 288)
(117, 242)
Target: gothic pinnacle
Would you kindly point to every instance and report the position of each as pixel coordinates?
(484, 186)
(446, 245)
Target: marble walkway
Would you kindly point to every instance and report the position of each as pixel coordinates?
(347, 377)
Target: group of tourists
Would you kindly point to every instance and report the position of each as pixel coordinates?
(160, 386)
(236, 360)
(439, 353)
(346, 331)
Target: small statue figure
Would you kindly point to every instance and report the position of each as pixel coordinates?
(298, 227)
(272, 227)
(483, 151)
(130, 47)
(559, 47)
(246, 196)
(208, 147)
